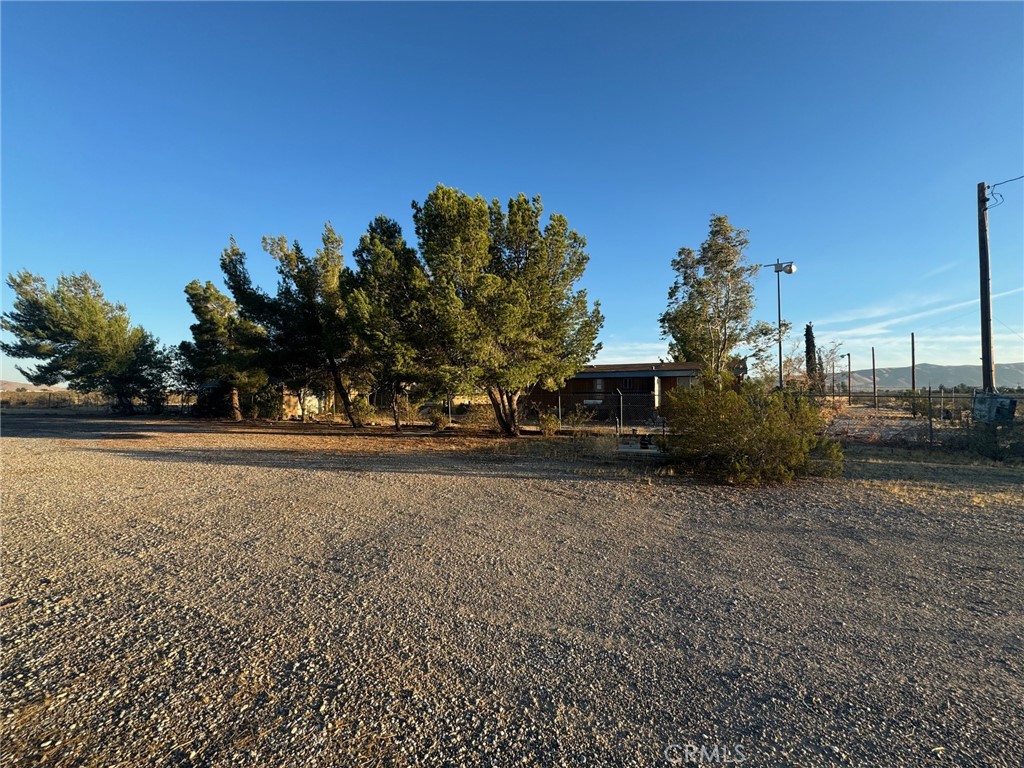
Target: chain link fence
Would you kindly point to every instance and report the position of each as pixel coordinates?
(938, 418)
(625, 411)
(628, 411)
(79, 402)
(54, 399)
(947, 406)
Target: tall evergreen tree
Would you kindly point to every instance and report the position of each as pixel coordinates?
(388, 311)
(225, 347)
(810, 356)
(452, 231)
(711, 300)
(815, 361)
(307, 321)
(503, 296)
(82, 339)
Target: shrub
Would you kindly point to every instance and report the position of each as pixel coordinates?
(439, 418)
(477, 416)
(576, 420)
(747, 435)
(268, 403)
(364, 412)
(998, 442)
(548, 422)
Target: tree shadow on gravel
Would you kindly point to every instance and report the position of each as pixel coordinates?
(106, 427)
(482, 465)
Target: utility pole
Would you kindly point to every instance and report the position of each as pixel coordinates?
(849, 379)
(913, 366)
(988, 366)
(874, 380)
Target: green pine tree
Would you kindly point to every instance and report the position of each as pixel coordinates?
(503, 297)
(388, 311)
(84, 340)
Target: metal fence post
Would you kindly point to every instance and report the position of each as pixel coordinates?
(931, 431)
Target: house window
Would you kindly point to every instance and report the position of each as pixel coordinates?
(627, 384)
(599, 385)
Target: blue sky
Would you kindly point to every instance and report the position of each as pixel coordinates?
(849, 138)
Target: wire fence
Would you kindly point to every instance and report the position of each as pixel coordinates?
(66, 399)
(56, 399)
(622, 411)
(949, 406)
(894, 417)
(938, 417)
(628, 410)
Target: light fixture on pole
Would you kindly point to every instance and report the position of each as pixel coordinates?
(789, 268)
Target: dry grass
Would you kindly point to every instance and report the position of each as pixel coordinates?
(919, 477)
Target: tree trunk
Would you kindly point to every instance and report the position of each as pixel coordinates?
(499, 415)
(394, 408)
(506, 409)
(512, 405)
(236, 408)
(124, 405)
(340, 390)
(346, 402)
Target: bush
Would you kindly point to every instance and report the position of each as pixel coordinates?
(439, 418)
(576, 421)
(747, 435)
(998, 442)
(364, 412)
(477, 416)
(548, 422)
(267, 403)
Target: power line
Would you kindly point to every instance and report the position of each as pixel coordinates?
(993, 186)
(948, 320)
(1009, 329)
(996, 196)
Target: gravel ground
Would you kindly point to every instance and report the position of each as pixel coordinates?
(187, 594)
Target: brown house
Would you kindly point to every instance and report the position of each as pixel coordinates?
(633, 390)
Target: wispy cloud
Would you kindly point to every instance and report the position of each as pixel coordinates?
(632, 352)
(885, 326)
(944, 268)
(950, 337)
(875, 311)
(881, 309)
(938, 349)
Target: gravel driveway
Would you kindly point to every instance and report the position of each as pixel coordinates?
(189, 594)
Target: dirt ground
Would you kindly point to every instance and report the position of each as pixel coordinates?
(184, 593)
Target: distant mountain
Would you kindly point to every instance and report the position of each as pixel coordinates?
(1009, 375)
(14, 386)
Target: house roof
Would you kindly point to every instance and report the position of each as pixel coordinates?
(639, 370)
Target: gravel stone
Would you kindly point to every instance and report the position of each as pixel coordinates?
(180, 593)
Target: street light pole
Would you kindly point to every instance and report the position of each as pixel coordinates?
(789, 268)
(778, 290)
